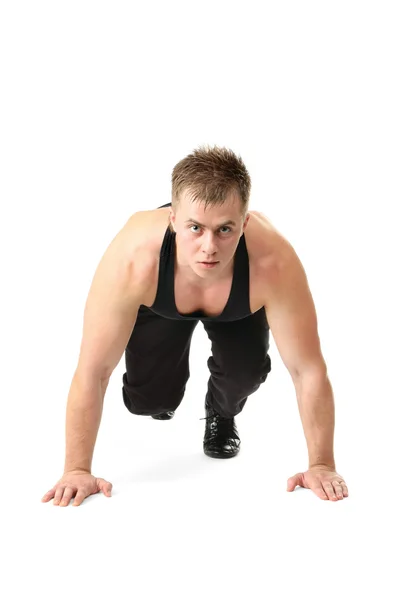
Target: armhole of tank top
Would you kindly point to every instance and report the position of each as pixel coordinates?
(149, 249)
(145, 273)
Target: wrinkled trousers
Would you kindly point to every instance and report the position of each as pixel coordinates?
(157, 362)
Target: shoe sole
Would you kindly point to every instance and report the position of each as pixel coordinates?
(212, 454)
(162, 417)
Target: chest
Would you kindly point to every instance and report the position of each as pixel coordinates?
(213, 299)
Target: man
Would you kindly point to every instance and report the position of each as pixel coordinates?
(204, 257)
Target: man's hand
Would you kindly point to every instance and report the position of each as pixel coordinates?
(79, 484)
(325, 483)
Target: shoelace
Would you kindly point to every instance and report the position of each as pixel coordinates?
(222, 427)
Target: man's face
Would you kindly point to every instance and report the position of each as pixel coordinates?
(205, 235)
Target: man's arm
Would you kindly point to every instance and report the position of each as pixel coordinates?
(83, 416)
(317, 411)
(109, 318)
(293, 322)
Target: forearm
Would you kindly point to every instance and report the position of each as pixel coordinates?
(317, 412)
(83, 416)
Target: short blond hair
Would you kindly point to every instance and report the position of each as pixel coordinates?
(210, 174)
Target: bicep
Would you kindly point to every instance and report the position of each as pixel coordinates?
(109, 315)
(293, 320)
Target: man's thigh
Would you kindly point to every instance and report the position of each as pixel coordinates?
(157, 362)
(241, 343)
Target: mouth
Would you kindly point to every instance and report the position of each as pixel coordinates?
(208, 264)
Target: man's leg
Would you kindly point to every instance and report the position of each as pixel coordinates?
(157, 363)
(239, 364)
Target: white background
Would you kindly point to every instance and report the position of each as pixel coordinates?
(99, 100)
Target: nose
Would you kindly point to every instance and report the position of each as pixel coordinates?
(209, 247)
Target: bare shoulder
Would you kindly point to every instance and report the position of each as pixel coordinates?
(280, 264)
(275, 261)
(144, 232)
(269, 246)
(142, 237)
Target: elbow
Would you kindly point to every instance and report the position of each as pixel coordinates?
(315, 372)
(88, 377)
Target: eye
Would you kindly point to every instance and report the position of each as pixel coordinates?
(223, 227)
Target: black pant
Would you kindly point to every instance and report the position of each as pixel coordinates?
(157, 362)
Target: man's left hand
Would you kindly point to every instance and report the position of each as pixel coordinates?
(325, 483)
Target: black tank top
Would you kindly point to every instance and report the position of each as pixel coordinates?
(238, 305)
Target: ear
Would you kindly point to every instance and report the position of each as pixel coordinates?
(172, 218)
(246, 220)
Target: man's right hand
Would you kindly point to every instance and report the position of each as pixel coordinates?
(77, 483)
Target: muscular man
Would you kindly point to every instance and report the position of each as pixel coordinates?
(204, 257)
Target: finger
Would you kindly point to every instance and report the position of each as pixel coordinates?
(68, 493)
(338, 489)
(293, 481)
(107, 489)
(49, 495)
(79, 498)
(330, 492)
(104, 486)
(58, 494)
(345, 489)
(320, 492)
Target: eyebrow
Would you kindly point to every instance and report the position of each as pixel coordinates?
(201, 225)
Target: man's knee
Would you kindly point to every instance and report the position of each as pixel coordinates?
(250, 377)
(244, 375)
(138, 404)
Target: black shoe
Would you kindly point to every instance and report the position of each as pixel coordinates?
(165, 416)
(221, 438)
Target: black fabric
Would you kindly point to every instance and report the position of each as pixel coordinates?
(157, 354)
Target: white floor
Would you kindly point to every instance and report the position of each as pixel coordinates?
(180, 524)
